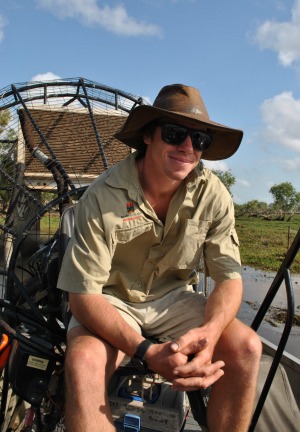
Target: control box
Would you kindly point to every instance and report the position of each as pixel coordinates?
(157, 405)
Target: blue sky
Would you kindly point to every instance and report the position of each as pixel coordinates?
(243, 55)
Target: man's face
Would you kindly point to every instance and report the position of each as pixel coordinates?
(173, 161)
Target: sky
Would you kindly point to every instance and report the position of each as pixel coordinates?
(243, 56)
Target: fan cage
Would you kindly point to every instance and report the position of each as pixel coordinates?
(56, 137)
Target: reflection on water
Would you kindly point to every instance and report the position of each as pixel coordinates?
(256, 286)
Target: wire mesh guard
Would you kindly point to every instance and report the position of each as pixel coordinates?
(56, 137)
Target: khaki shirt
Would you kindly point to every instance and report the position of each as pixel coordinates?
(120, 247)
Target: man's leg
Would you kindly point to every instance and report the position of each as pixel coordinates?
(232, 397)
(90, 362)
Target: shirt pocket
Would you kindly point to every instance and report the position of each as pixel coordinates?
(131, 247)
(187, 250)
(127, 234)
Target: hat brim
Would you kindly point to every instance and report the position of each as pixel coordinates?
(225, 142)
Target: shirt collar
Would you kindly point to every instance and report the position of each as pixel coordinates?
(121, 179)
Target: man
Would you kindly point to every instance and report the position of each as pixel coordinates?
(143, 231)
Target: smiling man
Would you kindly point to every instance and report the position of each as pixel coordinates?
(143, 232)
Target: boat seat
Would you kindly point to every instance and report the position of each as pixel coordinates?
(65, 232)
(280, 412)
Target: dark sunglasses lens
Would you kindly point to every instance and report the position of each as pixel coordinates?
(201, 141)
(173, 134)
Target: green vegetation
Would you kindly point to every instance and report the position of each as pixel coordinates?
(266, 230)
(49, 227)
(286, 198)
(264, 243)
(226, 177)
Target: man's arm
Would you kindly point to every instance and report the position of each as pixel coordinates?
(102, 319)
(221, 309)
(222, 305)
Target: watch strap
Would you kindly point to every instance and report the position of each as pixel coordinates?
(141, 351)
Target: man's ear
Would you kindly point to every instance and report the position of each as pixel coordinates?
(147, 138)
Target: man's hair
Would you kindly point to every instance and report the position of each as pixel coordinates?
(147, 130)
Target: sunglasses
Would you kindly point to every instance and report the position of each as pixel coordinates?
(175, 135)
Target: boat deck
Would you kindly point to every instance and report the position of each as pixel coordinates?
(191, 424)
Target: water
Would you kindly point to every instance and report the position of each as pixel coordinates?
(256, 286)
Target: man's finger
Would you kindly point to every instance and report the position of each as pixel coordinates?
(187, 347)
(192, 368)
(195, 383)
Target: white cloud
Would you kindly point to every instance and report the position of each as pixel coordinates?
(282, 37)
(2, 25)
(292, 164)
(216, 165)
(114, 19)
(281, 115)
(48, 76)
(243, 182)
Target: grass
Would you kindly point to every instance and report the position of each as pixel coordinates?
(264, 244)
(52, 221)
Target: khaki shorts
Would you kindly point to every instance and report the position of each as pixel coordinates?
(166, 318)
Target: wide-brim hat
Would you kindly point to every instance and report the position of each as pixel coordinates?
(182, 105)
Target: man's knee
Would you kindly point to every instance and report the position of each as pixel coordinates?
(253, 344)
(239, 343)
(81, 358)
(87, 356)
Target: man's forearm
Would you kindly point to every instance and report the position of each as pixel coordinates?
(101, 318)
(223, 304)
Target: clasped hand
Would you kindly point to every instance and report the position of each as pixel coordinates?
(186, 362)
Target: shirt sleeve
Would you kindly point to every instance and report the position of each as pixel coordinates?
(87, 261)
(221, 247)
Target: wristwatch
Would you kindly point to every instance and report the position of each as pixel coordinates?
(139, 357)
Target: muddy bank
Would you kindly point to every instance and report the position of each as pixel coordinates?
(276, 315)
(256, 286)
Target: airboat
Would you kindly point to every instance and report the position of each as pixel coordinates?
(56, 137)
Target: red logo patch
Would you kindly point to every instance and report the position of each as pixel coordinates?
(130, 207)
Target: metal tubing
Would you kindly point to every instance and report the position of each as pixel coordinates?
(286, 263)
(41, 135)
(279, 352)
(102, 153)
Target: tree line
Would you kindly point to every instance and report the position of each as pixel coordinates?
(286, 200)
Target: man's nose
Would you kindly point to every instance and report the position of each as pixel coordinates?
(187, 144)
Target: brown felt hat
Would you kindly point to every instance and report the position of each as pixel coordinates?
(181, 105)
